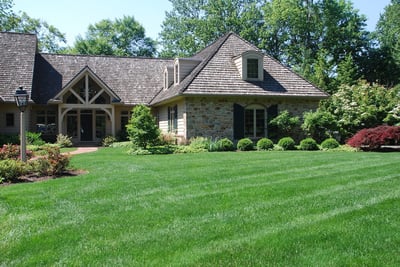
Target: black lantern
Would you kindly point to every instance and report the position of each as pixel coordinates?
(22, 98)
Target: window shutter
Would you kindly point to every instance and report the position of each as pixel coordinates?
(272, 112)
(169, 119)
(238, 121)
(176, 118)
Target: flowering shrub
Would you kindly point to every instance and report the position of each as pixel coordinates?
(12, 152)
(53, 163)
(374, 138)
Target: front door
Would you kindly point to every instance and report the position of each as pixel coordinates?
(86, 127)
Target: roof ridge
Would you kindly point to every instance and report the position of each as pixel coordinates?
(18, 33)
(106, 56)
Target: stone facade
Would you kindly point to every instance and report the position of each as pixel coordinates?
(213, 116)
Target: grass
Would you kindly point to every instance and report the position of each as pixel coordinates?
(208, 209)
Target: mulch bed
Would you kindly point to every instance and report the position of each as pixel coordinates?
(35, 178)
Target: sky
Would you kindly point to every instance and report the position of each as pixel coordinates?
(72, 17)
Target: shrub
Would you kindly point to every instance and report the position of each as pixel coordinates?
(199, 143)
(285, 123)
(223, 144)
(168, 139)
(245, 144)
(308, 144)
(108, 141)
(142, 127)
(374, 138)
(11, 169)
(9, 139)
(13, 152)
(64, 140)
(330, 143)
(265, 144)
(53, 163)
(34, 139)
(319, 124)
(287, 143)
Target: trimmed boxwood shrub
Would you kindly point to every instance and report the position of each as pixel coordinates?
(287, 143)
(374, 138)
(330, 143)
(265, 144)
(245, 144)
(308, 144)
(224, 144)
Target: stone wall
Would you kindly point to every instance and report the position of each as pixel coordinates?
(213, 116)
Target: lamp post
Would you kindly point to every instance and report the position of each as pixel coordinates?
(22, 98)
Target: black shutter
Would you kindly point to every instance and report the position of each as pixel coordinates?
(175, 118)
(272, 113)
(238, 121)
(169, 119)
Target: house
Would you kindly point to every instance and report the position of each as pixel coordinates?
(229, 89)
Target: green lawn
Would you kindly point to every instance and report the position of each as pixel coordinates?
(209, 209)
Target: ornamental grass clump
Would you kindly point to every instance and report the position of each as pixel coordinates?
(245, 144)
(308, 144)
(287, 143)
(265, 144)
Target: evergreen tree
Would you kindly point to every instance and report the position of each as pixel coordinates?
(142, 128)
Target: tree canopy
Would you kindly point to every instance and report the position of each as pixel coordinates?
(193, 24)
(50, 39)
(121, 37)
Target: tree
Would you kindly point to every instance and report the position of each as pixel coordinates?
(382, 62)
(50, 39)
(142, 128)
(301, 33)
(121, 37)
(193, 24)
(360, 106)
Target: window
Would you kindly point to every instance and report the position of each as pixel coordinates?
(173, 119)
(100, 124)
(252, 68)
(46, 121)
(165, 79)
(72, 124)
(10, 119)
(254, 118)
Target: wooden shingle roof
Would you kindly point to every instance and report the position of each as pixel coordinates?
(17, 59)
(217, 75)
(133, 80)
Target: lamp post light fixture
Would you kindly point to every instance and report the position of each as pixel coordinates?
(22, 98)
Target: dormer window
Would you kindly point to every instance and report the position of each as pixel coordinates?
(176, 72)
(168, 77)
(250, 65)
(183, 67)
(252, 68)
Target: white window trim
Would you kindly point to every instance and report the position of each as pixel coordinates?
(241, 63)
